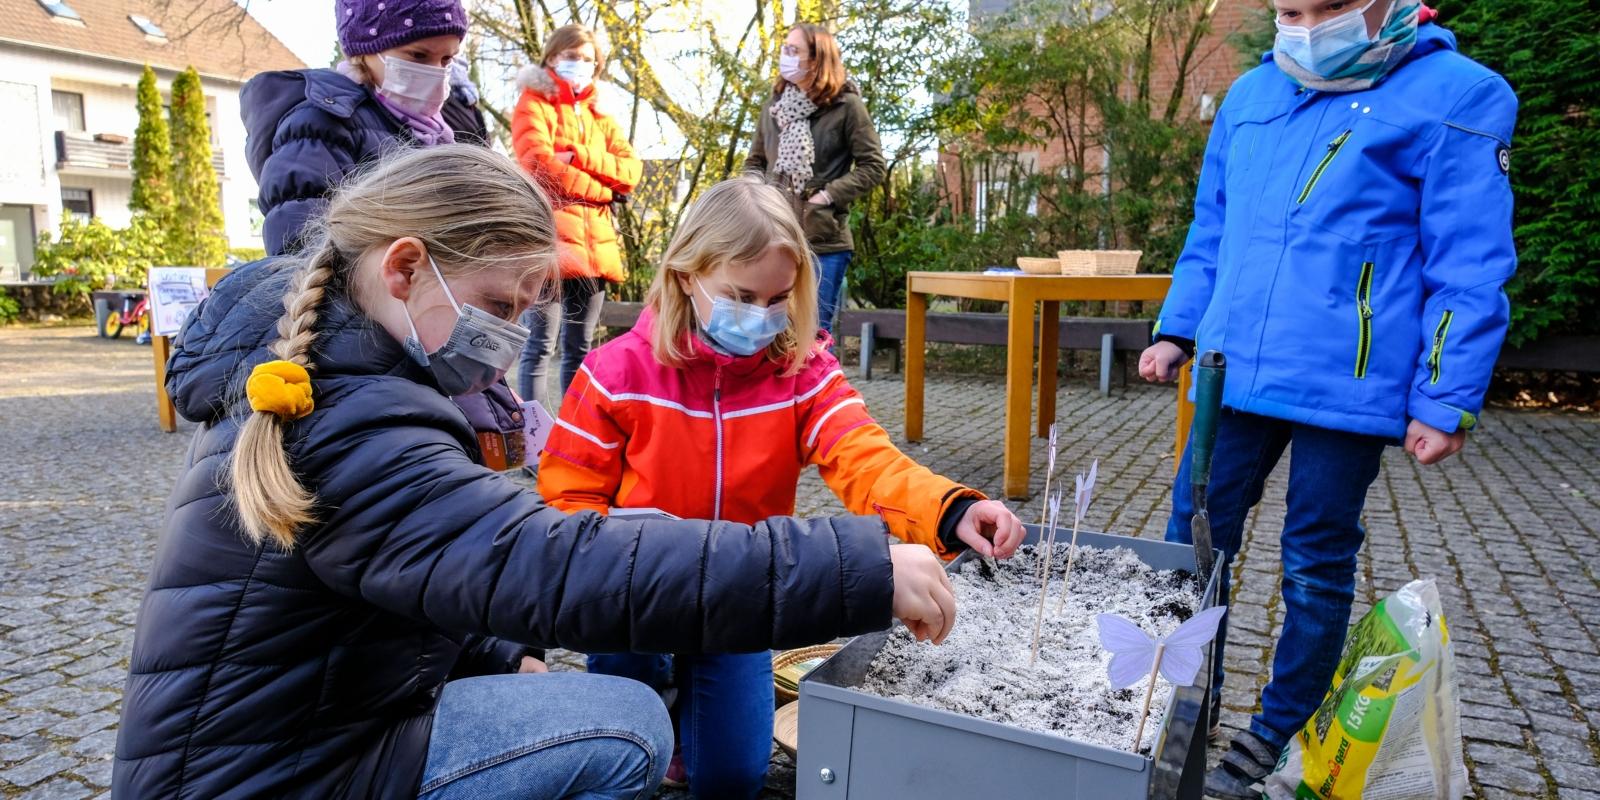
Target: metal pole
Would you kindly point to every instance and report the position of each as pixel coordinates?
(1106, 341)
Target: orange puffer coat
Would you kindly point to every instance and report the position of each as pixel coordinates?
(726, 437)
(549, 120)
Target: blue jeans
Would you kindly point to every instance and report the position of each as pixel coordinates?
(546, 736)
(579, 310)
(724, 714)
(830, 286)
(1328, 479)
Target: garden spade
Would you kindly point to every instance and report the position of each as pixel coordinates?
(1202, 441)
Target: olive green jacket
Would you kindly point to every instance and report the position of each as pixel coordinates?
(849, 162)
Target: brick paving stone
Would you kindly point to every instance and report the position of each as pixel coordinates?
(37, 769)
(58, 790)
(97, 772)
(1510, 530)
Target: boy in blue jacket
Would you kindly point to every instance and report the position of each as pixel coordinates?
(1351, 239)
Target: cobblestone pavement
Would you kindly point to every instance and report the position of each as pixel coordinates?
(1510, 529)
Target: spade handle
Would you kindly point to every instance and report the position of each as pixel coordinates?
(1207, 411)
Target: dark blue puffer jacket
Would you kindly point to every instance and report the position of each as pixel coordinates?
(307, 129)
(314, 673)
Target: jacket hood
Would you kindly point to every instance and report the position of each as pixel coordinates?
(229, 333)
(543, 82)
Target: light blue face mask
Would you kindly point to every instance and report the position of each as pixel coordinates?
(743, 329)
(1329, 46)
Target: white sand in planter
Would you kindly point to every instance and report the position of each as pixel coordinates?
(982, 669)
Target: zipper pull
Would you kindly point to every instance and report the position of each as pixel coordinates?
(716, 384)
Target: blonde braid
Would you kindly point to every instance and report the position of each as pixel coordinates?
(267, 493)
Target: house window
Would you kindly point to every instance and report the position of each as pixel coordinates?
(77, 204)
(58, 9)
(147, 27)
(68, 108)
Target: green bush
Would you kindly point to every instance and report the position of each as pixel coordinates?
(1553, 63)
(9, 308)
(248, 254)
(85, 256)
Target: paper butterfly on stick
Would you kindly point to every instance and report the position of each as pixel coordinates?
(1136, 654)
(1085, 492)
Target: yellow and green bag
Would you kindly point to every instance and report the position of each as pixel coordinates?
(1390, 726)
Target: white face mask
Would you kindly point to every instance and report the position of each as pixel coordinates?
(789, 68)
(578, 74)
(417, 88)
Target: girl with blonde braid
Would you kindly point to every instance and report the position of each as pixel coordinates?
(343, 597)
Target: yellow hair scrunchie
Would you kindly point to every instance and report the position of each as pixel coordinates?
(282, 388)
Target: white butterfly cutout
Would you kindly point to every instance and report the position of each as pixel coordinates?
(1133, 650)
(1085, 492)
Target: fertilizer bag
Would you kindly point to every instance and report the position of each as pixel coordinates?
(1390, 727)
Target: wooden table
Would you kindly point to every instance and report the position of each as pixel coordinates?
(161, 350)
(1021, 294)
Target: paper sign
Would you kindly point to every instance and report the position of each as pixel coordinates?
(536, 426)
(174, 292)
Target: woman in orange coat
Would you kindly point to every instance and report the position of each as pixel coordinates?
(580, 155)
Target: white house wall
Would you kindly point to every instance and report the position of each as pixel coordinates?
(108, 90)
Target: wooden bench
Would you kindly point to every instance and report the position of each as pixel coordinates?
(1111, 337)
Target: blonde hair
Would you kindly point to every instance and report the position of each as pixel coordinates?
(827, 65)
(735, 221)
(471, 208)
(568, 37)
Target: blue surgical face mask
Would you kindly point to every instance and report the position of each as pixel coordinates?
(742, 328)
(578, 74)
(1329, 46)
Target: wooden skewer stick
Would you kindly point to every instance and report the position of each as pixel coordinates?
(1149, 692)
(1044, 590)
(1044, 505)
(1072, 555)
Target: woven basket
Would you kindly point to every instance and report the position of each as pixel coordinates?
(1116, 262)
(788, 658)
(786, 728)
(1039, 266)
(1075, 262)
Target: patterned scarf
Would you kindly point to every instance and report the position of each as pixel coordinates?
(1394, 42)
(796, 150)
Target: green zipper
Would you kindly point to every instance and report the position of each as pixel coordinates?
(1364, 311)
(1322, 166)
(1437, 353)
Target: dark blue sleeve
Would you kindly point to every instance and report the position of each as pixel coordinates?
(412, 525)
(487, 655)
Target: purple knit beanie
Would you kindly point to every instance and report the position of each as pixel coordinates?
(372, 26)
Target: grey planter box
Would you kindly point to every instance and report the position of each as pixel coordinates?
(857, 745)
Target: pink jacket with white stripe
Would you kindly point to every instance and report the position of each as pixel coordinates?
(726, 437)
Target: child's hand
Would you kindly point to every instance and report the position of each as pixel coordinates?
(1431, 445)
(991, 529)
(531, 665)
(1160, 362)
(923, 599)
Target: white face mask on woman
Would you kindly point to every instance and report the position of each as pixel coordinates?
(417, 88)
(789, 68)
(577, 73)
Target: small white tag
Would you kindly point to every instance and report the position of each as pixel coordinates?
(536, 425)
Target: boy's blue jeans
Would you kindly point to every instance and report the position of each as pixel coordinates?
(723, 714)
(1328, 479)
(565, 735)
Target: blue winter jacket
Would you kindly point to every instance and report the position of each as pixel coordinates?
(314, 673)
(1349, 250)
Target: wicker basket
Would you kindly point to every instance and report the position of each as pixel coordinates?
(792, 658)
(786, 728)
(1116, 262)
(1075, 262)
(1039, 266)
(1099, 262)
